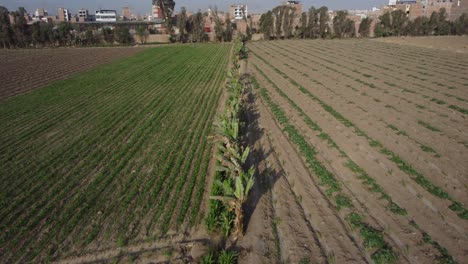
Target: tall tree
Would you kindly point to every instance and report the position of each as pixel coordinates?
(6, 33)
(182, 24)
(324, 18)
(266, 25)
(399, 21)
(278, 13)
(303, 25)
(197, 25)
(22, 33)
(364, 27)
(312, 24)
(288, 20)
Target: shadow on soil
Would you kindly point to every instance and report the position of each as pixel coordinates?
(265, 177)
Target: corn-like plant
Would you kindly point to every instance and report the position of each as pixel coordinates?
(234, 181)
(235, 197)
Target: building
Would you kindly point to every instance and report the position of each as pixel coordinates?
(83, 15)
(157, 13)
(296, 4)
(238, 11)
(458, 8)
(430, 6)
(126, 13)
(64, 14)
(106, 16)
(39, 15)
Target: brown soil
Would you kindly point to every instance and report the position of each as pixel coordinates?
(291, 187)
(25, 70)
(448, 43)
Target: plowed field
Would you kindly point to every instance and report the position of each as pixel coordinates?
(25, 70)
(362, 149)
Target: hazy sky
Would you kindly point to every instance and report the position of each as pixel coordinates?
(144, 6)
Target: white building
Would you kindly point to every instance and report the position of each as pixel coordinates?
(106, 16)
(238, 11)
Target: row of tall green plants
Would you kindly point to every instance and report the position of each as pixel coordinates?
(234, 179)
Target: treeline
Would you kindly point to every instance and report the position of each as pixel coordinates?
(192, 29)
(396, 23)
(283, 22)
(20, 34)
(280, 23)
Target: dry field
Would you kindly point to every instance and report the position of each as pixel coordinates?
(26, 70)
(362, 150)
(448, 43)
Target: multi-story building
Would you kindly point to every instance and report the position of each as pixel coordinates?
(39, 14)
(238, 11)
(458, 8)
(64, 14)
(106, 16)
(83, 15)
(296, 4)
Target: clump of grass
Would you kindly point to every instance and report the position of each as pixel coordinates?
(429, 126)
(459, 109)
(355, 220)
(437, 101)
(421, 106)
(384, 255)
(343, 202)
(372, 237)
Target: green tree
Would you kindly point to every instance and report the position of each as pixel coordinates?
(339, 23)
(122, 35)
(301, 32)
(197, 25)
(324, 18)
(21, 30)
(142, 34)
(266, 25)
(6, 33)
(227, 36)
(182, 21)
(289, 13)
(364, 27)
(278, 13)
(65, 35)
(399, 21)
(108, 35)
(312, 23)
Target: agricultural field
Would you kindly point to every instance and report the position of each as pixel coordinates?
(362, 153)
(25, 70)
(110, 158)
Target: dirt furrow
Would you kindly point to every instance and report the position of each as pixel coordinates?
(398, 227)
(449, 173)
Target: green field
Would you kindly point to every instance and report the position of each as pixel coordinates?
(109, 157)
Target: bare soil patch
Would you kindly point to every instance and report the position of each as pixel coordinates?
(448, 43)
(25, 70)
